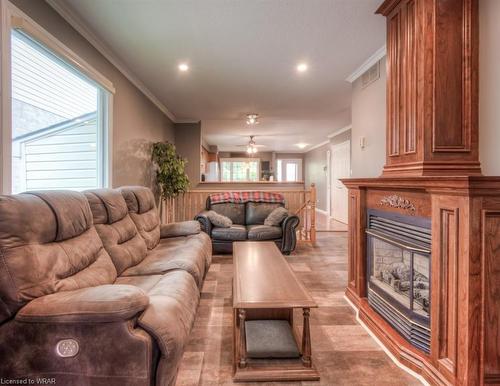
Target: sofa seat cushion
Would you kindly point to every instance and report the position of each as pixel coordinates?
(233, 233)
(169, 317)
(263, 232)
(105, 303)
(188, 253)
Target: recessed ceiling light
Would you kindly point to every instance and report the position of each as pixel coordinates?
(301, 145)
(183, 67)
(302, 67)
(252, 119)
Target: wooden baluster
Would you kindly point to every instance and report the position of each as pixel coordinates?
(306, 340)
(313, 213)
(243, 342)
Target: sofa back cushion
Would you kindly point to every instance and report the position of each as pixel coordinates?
(48, 244)
(116, 229)
(142, 209)
(236, 212)
(257, 212)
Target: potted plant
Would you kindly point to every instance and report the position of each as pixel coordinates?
(171, 177)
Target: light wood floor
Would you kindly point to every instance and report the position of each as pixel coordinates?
(327, 224)
(342, 350)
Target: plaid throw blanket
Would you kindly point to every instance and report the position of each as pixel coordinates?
(243, 197)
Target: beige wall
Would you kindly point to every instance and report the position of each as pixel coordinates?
(368, 120)
(489, 86)
(315, 163)
(137, 122)
(188, 145)
(315, 160)
(314, 170)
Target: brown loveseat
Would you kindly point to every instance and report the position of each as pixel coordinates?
(98, 294)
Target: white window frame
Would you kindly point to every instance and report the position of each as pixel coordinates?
(284, 161)
(13, 18)
(240, 160)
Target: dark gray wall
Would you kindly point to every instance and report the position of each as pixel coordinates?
(188, 144)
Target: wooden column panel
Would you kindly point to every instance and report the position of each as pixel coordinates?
(490, 240)
(432, 87)
(444, 302)
(356, 287)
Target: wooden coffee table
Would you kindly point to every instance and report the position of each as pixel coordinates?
(266, 288)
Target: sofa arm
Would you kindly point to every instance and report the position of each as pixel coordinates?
(105, 303)
(205, 223)
(182, 228)
(289, 239)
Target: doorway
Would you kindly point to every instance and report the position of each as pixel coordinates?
(340, 157)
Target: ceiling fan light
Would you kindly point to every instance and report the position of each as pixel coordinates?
(252, 119)
(254, 150)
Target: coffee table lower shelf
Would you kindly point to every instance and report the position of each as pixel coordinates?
(246, 369)
(273, 370)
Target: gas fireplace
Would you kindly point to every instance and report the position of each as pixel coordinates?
(398, 253)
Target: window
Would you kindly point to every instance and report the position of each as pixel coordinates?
(57, 122)
(55, 118)
(240, 169)
(289, 170)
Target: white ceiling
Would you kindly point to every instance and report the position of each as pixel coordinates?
(242, 56)
(280, 135)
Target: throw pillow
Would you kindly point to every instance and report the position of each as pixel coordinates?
(276, 217)
(219, 220)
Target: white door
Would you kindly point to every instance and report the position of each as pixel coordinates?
(341, 168)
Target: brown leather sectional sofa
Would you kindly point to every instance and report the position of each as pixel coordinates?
(93, 290)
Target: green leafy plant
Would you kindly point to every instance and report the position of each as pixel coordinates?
(170, 170)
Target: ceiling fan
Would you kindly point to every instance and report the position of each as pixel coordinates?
(251, 146)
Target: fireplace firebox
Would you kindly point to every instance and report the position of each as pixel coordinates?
(399, 253)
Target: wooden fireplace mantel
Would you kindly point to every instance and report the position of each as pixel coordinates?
(465, 272)
(432, 170)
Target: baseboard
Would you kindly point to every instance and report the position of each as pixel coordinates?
(322, 212)
(383, 347)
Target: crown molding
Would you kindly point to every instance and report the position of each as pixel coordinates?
(379, 54)
(317, 145)
(340, 131)
(329, 136)
(78, 24)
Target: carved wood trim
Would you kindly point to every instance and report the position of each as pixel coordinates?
(396, 201)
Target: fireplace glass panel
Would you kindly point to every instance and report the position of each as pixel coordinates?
(403, 275)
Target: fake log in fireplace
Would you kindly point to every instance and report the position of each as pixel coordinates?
(398, 254)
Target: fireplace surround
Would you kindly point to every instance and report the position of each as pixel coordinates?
(432, 171)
